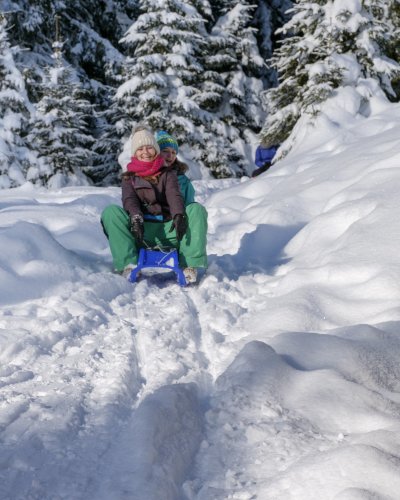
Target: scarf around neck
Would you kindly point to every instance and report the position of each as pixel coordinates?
(145, 168)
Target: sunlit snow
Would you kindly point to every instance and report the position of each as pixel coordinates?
(277, 378)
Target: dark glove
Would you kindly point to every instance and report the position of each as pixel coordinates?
(261, 170)
(180, 225)
(137, 229)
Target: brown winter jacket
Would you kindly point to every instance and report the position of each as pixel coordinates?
(140, 196)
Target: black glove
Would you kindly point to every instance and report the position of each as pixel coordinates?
(261, 170)
(180, 225)
(137, 229)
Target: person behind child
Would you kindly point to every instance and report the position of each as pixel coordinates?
(263, 159)
(153, 212)
(169, 151)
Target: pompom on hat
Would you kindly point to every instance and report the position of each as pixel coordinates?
(142, 136)
(165, 140)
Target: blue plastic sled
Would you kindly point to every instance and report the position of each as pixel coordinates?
(150, 258)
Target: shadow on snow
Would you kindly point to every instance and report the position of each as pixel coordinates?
(260, 252)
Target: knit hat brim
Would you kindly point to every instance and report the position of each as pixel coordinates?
(166, 140)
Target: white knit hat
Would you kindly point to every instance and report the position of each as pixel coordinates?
(142, 136)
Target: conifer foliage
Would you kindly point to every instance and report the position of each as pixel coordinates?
(240, 65)
(331, 44)
(231, 86)
(164, 71)
(91, 30)
(203, 88)
(61, 128)
(15, 112)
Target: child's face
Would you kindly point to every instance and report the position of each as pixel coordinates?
(146, 153)
(169, 155)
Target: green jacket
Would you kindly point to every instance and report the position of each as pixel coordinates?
(185, 183)
(187, 189)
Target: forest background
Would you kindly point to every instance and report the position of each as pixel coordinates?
(77, 76)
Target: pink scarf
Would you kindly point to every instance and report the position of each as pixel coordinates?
(145, 168)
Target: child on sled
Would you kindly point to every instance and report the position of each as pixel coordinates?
(153, 212)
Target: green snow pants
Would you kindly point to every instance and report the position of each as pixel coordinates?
(124, 250)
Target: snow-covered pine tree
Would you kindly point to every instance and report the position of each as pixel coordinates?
(93, 26)
(162, 71)
(331, 44)
(164, 75)
(228, 91)
(92, 29)
(239, 63)
(15, 112)
(61, 130)
(105, 169)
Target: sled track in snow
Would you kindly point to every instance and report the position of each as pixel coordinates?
(157, 444)
(175, 332)
(108, 388)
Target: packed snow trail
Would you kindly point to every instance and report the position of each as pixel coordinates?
(176, 334)
(107, 368)
(89, 358)
(80, 355)
(107, 383)
(276, 379)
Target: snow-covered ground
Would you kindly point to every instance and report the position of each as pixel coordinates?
(278, 378)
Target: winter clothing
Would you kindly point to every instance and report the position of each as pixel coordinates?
(186, 188)
(185, 183)
(142, 197)
(137, 229)
(190, 274)
(143, 137)
(192, 248)
(145, 168)
(263, 159)
(180, 225)
(166, 140)
(154, 214)
(264, 155)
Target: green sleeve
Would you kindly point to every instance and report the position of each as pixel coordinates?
(186, 188)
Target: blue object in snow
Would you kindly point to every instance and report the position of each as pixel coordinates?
(265, 155)
(149, 257)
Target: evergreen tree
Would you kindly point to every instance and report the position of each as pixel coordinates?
(236, 74)
(15, 111)
(91, 31)
(105, 169)
(332, 44)
(61, 128)
(93, 27)
(164, 73)
(164, 45)
(240, 66)
(231, 85)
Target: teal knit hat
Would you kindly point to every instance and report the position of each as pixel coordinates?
(165, 140)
